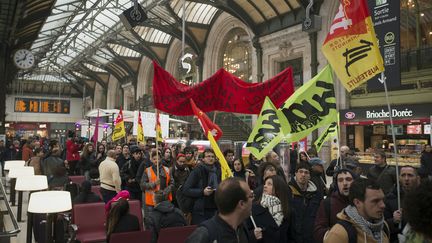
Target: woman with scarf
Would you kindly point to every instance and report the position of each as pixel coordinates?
(270, 214)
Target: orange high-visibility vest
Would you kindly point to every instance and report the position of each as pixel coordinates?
(149, 194)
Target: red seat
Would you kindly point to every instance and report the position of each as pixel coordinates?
(131, 237)
(96, 190)
(175, 234)
(77, 179)
(90, 219)
(135, 209)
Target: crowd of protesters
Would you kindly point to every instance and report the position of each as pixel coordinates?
(264, 203)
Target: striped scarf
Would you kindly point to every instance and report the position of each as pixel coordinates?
(274, 206)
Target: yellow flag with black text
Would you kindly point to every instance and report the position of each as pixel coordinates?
(140, 134)
(351, 46)
(226, 171)
(312, 106)
(267, 132)
(119, 128)
(331, 131)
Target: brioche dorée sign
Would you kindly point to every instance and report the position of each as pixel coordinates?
(382, 113)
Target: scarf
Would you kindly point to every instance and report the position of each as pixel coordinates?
(274, 206)
(373, 229)
(212, 176)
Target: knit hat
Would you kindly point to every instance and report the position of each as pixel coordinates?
(316, 161)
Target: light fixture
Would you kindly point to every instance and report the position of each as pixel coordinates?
(59, 201)
(29, 183)
(13, 163)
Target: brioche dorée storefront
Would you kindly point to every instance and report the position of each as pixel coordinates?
(370, 127)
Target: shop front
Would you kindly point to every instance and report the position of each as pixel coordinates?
(369, 128)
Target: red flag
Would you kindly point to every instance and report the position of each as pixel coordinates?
(222, 92)
(206, 124)
(96, 131)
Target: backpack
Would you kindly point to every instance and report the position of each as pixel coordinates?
(352, 232)
(184, 202)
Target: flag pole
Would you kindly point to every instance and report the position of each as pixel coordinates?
(383, 78)
(157, 147)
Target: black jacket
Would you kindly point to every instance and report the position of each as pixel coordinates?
(164, 215)
(426, 163)
(221, 232)
(391, 205)
(272, 233)
(194, 187)
(86, 198)
(385, 176)
(128, 172)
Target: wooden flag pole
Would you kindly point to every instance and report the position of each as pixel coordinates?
(157, 147)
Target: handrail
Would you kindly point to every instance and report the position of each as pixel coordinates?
(16, 230)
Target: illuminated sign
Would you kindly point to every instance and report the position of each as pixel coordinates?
(42, 105)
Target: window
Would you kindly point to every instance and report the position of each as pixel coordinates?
(297, 66)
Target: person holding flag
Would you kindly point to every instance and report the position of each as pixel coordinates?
(119, 128)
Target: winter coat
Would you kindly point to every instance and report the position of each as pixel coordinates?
(128, 172)
(304, 207)
(338, 234)
(194, 187)
(36, 163)
(384, 176)
(426, 163)
(27, 152)
(49, 164)
(324, 222)
(272, 233)
(88, 162)
(72, 150)
(164, 215)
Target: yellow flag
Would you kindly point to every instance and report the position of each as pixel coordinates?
(331, 131)
(267, 132)
(226, 171)
(158, 129)
(119, 128)
(312, 106)
(140, 135)
(351, 46)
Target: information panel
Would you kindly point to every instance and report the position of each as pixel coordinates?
(42, 105)
(386, 18)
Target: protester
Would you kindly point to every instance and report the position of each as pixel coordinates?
(109, 175)
(409, 180)
(100, 155)
(120, 220)
(338, 163)
(252, 169)
(164, 215)
(418, 213)
(53, 160)
(384, 174)
(332, 205)
(238, 168)
(35, 161)
(27, 150)
(304, 200)
(88, 160)
(229, 157)
(233, 199)
(201, 185)
(426, 162)
(73, 146)
(128, 173)
(273, 157)
(317, 175)
(190, 157)
(180, 173)
(364, 217)
(86, 195)
(59, 179)
(271, 212)
(151, 183)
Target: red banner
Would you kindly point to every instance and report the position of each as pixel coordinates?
(222, 92)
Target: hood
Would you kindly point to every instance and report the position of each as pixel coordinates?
(337, 196)
(311, 189)
(165, 207)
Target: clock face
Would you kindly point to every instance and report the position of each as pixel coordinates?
(23, 59)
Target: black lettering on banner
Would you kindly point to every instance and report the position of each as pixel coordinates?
(265, 135)
(331, 129)
(357, 53)
(310, 115)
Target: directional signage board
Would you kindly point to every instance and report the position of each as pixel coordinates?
(386, 18)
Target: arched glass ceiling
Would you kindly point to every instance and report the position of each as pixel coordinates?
(46, 78)
(195, 12)
(124, 51)
(153, 35)
(94, 68)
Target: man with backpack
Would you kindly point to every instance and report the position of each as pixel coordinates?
(362, 220)
(164, 215)
(233, 198)
(333, 204)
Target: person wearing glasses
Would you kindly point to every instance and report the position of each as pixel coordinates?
(233, 199)
(305, 199)
(201, 185)
(271, 212)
